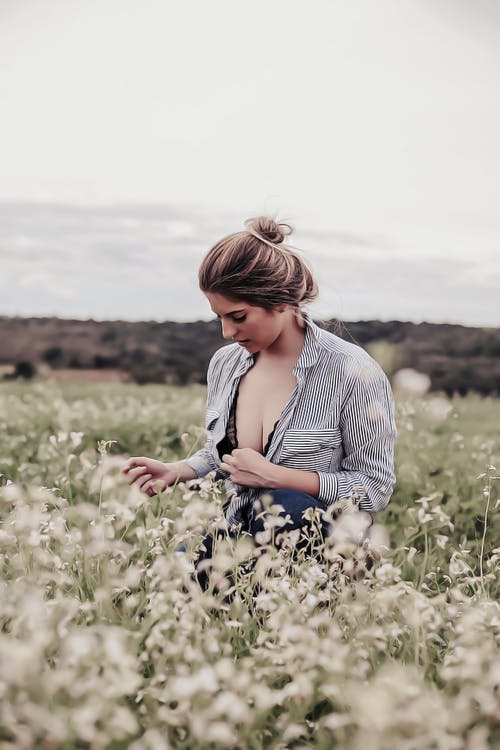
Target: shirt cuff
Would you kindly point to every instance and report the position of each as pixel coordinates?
(328, 487)
(199, 464)
(335, 487)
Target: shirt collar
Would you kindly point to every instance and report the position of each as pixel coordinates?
(309, 352)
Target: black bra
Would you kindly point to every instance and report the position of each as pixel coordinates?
(230, 440)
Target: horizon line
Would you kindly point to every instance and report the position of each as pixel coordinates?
(213, 320)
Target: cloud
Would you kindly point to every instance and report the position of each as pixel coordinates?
(140, 262)
(480, 19)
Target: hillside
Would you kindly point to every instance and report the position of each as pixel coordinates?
(457, 358)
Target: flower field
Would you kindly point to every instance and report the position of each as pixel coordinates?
(106, 641)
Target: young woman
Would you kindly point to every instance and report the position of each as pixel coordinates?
(292, 410)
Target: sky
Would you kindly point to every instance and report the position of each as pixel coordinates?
(134, 135)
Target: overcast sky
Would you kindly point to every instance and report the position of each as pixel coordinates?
(134, 134)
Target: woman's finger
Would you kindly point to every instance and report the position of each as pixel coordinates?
(153, 486)
(141, 481)
(132, 463)
(226, 467)
(129, 464)
(133, 474)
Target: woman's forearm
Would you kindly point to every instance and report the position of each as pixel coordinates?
(294, 479)
(183, 470)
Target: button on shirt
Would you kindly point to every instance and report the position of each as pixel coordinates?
(339, 422)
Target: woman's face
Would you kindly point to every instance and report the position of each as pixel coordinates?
(255, 328)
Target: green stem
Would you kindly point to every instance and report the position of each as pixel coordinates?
(426, 556)
(485, 527)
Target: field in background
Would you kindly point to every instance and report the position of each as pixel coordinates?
(106, 641)
(458, 359)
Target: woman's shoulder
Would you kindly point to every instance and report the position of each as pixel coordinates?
(352, 358)
(227, 355)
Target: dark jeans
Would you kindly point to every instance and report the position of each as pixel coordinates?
(294, 504)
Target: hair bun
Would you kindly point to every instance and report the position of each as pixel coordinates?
(269, 229)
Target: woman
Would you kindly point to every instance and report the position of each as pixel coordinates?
(292, 410)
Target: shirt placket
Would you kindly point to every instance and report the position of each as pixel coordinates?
(299, 371)
(241, 370)
(244, 493)
(285, 418)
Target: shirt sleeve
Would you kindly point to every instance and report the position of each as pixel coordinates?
(368, 434)
(203, 461)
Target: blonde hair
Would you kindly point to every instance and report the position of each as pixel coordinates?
(256, 267)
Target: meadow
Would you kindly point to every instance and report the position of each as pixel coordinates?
(106, 641)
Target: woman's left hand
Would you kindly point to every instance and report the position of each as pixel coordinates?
(248, 468)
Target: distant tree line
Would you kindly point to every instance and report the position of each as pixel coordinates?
(457, 358)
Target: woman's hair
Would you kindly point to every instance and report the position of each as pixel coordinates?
(256, 267)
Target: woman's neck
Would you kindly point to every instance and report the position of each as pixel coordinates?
(288, 345)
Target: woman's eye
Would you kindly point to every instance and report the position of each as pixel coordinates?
(236, 320)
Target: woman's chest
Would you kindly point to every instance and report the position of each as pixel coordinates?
(305, 411)
(262, 397)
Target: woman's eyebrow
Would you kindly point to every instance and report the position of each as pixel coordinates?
(233, 312)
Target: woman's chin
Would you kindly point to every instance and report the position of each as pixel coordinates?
(251, 347)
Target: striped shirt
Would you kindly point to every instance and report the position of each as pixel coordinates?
(339, 422)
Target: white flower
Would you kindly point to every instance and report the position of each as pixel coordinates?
(76, 438)
(410, 382)
(437, 409)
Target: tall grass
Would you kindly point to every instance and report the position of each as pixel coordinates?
(106, 641)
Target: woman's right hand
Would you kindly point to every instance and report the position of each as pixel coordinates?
(152, 476)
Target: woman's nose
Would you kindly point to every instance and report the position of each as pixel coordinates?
(228, 329)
